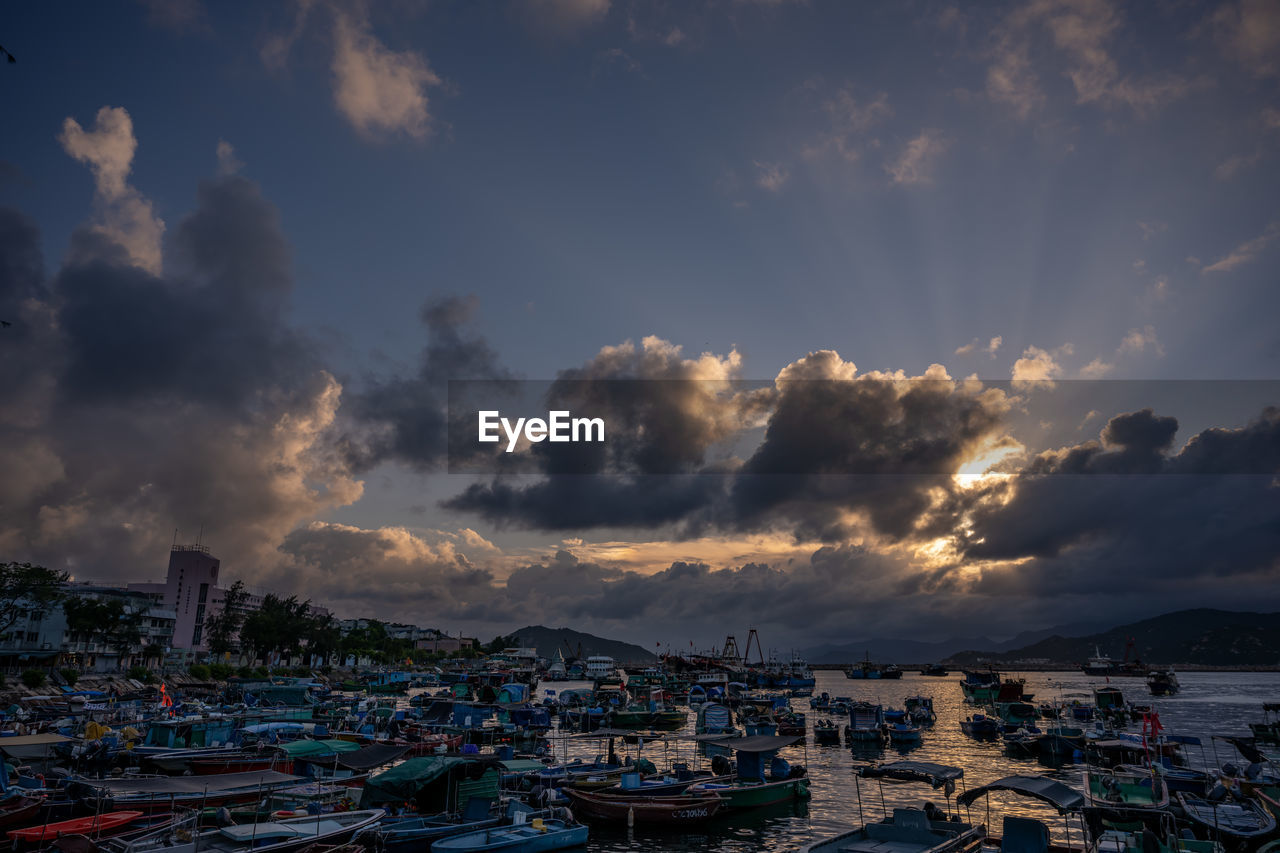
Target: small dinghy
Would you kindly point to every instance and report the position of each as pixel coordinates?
(1233, 818)
(100, 825)
(537, 836)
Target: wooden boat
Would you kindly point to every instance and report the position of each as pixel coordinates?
(665, 810)
(1243, 819)
(96, 825)
(19, 811)
(540, 835)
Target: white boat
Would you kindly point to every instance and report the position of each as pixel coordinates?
(281, 836)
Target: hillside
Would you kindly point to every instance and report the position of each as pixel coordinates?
(548, 640)
(1200, 637)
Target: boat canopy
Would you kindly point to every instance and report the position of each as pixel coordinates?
(317, 748)
(370, 757)
(1060, 796)
(1246, 747)
(756, 743)
(936, 775)
(7, 741)
(402, 783)
(189, 784)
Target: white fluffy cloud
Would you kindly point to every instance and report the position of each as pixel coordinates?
(380, 91)
(122, 215)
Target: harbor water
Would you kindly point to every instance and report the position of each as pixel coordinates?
(1220, 703)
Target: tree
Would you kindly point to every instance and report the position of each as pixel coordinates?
(110, 621)
(279, 625)
(324, 638)
(222, 627)
(26, 587)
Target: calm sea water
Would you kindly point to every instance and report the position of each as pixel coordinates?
(1209, 703)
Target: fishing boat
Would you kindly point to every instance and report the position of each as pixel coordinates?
(536, 836)
(1268, 731)
(1175, 778)
(908, 830)
(1162, 682)
(935, 670)
(1061, 741)
(903, 733)
(762, 779)
(1126, 793)
(866, 723)
(1242, 820)
(980, 727)
(674, 810)
(920, 710)
(865, 669)
(1024, 743)
(826, 733)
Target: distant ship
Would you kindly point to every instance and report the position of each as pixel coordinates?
(1100, 664)
(867, 669)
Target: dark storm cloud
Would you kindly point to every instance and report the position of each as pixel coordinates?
(834, 445)
(876, 445)
(407, 419)
(137, 402)
(663, 412)
(211, 330)
(1128, 512)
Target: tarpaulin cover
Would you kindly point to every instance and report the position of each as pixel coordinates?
(1056, 794)
(316, 748)
(190, 784)
(913, 771)
(370, 757)
(402, 783)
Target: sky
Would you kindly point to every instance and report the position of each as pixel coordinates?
(963, 315)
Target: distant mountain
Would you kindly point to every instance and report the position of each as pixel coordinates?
(883, 650)
(548, 640)
(1199, 637)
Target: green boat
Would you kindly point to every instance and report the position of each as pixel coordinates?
(1130, 793)
(752, 787)
(742, 794)
(640, 717)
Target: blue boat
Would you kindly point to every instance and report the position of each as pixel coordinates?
(537, 836)
(418, 832)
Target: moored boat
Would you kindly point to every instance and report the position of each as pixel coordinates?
(1236, 819)
(680, 809)
(537, 836)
